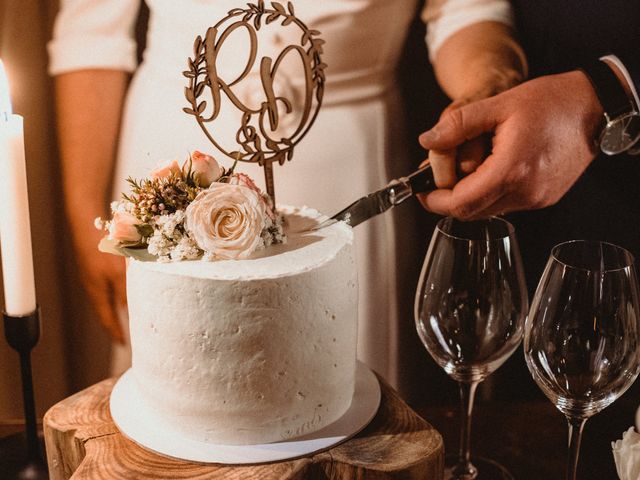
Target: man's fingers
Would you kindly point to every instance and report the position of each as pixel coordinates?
(438, 201)
(459, 125)
(477, 192)
(471, 197)
(471, 154)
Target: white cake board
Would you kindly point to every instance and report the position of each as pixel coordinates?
(137, 422)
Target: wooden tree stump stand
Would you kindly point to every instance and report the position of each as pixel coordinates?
(83, 443)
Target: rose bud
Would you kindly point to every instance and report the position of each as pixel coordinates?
(122, 228)
(205, 168)
(166, 171)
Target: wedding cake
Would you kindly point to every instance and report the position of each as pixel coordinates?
(243, 320)
(249, 351)
(243, 317)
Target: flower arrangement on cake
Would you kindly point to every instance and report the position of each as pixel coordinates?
(197, 210)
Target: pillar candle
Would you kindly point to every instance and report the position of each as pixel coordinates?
(15, 230)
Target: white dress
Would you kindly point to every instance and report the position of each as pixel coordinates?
(356, 145)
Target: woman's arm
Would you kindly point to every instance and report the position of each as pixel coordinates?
(92, 51)
(475, 55)
(89, 109)
(479, 61)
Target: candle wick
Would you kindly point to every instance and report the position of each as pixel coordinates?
(5, 115)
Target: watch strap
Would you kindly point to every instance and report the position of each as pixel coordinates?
(610, 92)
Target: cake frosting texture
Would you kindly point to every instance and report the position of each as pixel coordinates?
(249, 351)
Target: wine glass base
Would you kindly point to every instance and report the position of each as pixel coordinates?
(487, 469)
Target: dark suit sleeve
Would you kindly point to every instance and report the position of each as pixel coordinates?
(632, 63)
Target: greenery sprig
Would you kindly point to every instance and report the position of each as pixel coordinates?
(151, 197)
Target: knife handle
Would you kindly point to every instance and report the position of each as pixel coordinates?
(422, 180)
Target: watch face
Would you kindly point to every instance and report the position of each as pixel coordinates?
(620, 134)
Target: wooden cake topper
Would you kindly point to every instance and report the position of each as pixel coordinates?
(259, 134)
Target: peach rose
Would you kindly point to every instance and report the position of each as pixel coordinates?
(166, 171)
(226, 221)
(122, 228)
(204, 167)
(247, 181)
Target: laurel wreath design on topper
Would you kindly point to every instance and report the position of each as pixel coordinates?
(256, 135)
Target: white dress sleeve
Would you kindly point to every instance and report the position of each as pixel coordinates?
(445, 17)
(94, 34)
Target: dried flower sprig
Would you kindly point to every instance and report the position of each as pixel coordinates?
(161, 196)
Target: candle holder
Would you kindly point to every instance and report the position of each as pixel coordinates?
(22, 334)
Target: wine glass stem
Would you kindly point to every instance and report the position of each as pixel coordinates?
(467, 396)
(576, 425)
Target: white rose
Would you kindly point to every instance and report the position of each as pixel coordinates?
(226, 221)
(626, 453)
(247, 181)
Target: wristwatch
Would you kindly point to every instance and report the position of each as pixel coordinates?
(621, 129)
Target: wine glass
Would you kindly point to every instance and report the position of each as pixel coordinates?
(470, 308)
(582, 335)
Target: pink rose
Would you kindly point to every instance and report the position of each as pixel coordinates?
(226, 221)
(166, 171)
(205, 168)
(122, 228)
(247, 181)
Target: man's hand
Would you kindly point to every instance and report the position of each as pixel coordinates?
(471, 153)
(543, 141)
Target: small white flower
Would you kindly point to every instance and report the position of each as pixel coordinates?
(626, 453)
(168, 224)
(186, 249)
(159, 245)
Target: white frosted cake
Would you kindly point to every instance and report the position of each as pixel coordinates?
(249, 351)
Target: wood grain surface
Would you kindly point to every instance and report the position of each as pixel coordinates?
(83, 443)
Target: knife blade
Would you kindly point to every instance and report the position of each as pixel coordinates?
(382, 200)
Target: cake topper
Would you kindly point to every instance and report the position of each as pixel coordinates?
(269, 127)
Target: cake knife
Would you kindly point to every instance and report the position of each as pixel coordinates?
(382, 200)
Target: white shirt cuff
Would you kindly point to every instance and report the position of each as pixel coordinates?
(67, 55)
(618, 63)
(94, 34)
(454, 15)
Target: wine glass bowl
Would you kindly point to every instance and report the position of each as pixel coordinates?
(470, 308)
(582, 336)
(471, 300)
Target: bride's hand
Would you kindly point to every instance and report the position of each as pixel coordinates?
(89, 106)
(103, 277)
